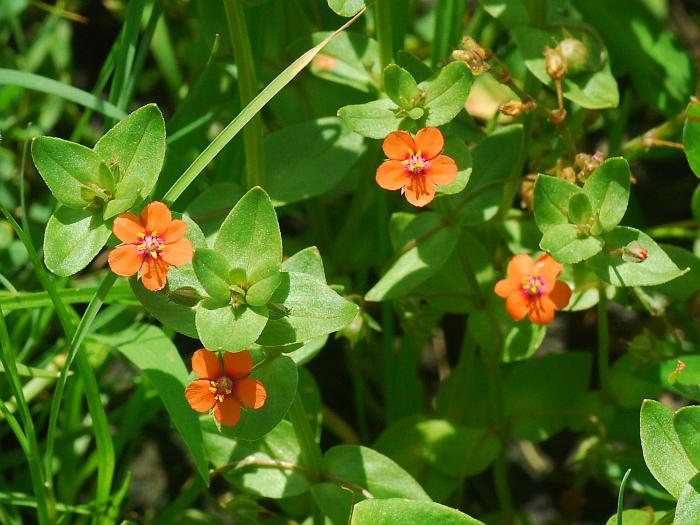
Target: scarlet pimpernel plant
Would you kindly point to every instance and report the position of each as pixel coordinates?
(349, 263)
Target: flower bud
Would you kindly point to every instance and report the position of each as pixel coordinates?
(587, 164)
(634, 253)
(185, 296)
(515, 108)
(554, 62)
(475, 56)
(575, 55)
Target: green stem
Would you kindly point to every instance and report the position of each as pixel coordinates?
(46, 505)
(382, 16)
(247, 90)
(310, 450)
(603, 344)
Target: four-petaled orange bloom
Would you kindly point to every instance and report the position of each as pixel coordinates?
(532, 288)
(224, 388)
(415, 166)
(152, 243)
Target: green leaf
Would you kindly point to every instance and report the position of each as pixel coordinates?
(67, 168)
(306, 261)
(568, 246)
(608, 190)
(580, 210)
(429, 246)
(446, 93)
(691, 137)
(539, 392)
(212, 271)
(662, 449)
(401, 87)
(595, 90)
(222, 327)
(250, 237)
(307, 309)
(72, 239)
(136, 147)
(280, 377)
(374, 120)
(551, 198)
(411, 63)
(125, 195)
(522, 341)
(458, 151)
(609, 265)
(261, 292)
(511, 13)
(372, 471)
(334, 501)
(687, 425)
(396, 510)
(163, 367)
(346, 7)
(309, 159)
(636, 517)
(688, 507)
(257, 474)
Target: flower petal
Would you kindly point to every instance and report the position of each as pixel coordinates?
(542, 311)
(127, 227)
(505, 287)
(548, 268)
(175, 231)
(154, 273)
(199, 396)
(125, 260)
(156, 217)
(520, 266)
(430, 142)
(442, 170)
(228, 412)
(517, 305)
(560, 294)
(237, 364)
(391, 175)
(178, 252)
(420, 191)
(250, 392)
(206, 364)
(397, 143)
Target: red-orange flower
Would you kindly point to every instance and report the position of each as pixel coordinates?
(224, 388)
(152, 243)
(532, 288)
(415, 166)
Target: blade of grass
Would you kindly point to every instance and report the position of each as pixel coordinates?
(448, 27)
(34, 82)
(232, 129)
(621, 496)
(142, 51)
(163, 54)
(24, 300)
(45, 506)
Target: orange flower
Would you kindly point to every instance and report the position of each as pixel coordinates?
(152, 243)
(532, 288)
(415, 166)
(224, 388)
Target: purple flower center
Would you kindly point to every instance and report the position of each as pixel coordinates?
(151, 244)
(415, 163)
(221, 387)
(532, 285)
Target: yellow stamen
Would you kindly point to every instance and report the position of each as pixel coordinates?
(212, 383)
(154, 255)
(140, 235)
(418, 154)
(405, 161)
(410, 151)
(212, 389)
(154, 233)
(228, 391)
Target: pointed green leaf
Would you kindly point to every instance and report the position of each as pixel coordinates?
(136, 147)
(304, 308)
(662, 448)
(580, 210)
(401, 87)
(552, 196)
(334, 501)
(374, 120)
(610, 266)
(250, 237)
(222, 327)
(346, 7)
(691, 137)
(446, 93)
(392, 511)
(608, 190)
(212, 271)
(568, 246)
(72, 239)
(67, 168)
(687, 424)
(259, 294)
(306, 261)
(688, 507)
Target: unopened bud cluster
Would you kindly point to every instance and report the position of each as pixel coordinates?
(474, 55)
(515, 108)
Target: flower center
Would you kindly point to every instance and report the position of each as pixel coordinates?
(532, 285)
(151, 244)
(415, 163)
(221, 387)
